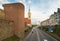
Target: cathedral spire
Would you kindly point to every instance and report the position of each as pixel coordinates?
(29, 8)
(29, 13)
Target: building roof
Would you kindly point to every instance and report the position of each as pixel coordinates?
(27, 21)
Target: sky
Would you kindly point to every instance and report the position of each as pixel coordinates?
(40, 9)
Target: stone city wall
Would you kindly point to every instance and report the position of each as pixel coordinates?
(6, 29)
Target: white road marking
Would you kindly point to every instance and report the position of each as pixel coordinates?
(45, 40)
(38, 36)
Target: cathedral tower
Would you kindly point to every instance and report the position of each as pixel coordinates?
(29, 17)
(29, 13)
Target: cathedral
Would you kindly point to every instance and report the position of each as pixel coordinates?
(28, 19)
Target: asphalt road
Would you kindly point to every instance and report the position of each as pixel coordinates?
(39, 35)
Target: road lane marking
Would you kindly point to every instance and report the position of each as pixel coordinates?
(45, 40)
(38, 36)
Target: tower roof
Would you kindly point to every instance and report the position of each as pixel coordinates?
(29, 9)
(29, 13)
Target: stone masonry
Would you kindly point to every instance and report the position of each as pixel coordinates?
(15, 12)
(6, 29)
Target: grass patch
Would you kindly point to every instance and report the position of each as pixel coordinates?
(27, 32)
(54, 35)
(13, 38)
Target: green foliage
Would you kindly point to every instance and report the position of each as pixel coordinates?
(54, 35)
(13, 38)
(26, 30)
(56, 29)
(34, 25)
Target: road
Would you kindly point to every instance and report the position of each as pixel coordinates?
(39, 35)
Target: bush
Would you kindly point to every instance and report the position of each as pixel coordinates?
(26, 30)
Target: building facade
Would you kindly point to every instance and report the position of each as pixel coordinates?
(57, 17)
(47, 22)
(51, 20)
(59, 14)
(43, 23)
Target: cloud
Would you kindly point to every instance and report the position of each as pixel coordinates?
(21, 1)
(48, 7)
(40, 9)
(30, 1)
(3, 2)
